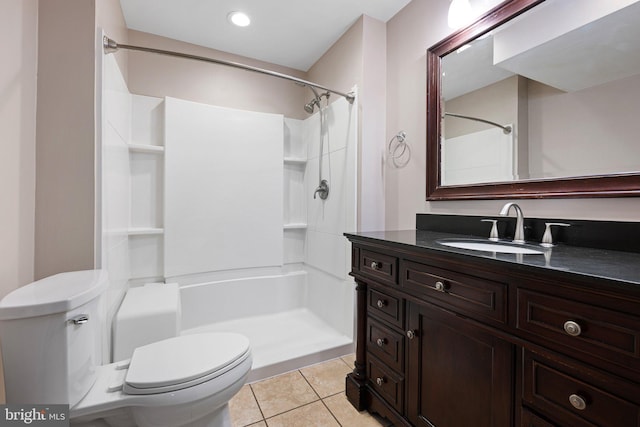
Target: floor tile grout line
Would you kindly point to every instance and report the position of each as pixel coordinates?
(310, 385)
(302, 373)
(322, 398)
(331, 412)
(346, 363)
(319, 398)
(257, 403)
(292, 409)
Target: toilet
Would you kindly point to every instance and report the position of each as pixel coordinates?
(51, 334)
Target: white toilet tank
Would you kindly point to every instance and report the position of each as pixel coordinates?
(148, 314)
(50, 333)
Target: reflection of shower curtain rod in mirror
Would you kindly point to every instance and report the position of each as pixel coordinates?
(111, 46)
(505, 129)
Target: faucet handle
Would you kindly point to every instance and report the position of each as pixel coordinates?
(323, 189)
(493, 235)
(547, 237)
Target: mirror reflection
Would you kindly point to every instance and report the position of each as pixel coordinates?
(519, 103)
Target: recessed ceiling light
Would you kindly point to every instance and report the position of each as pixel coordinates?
(239, 18)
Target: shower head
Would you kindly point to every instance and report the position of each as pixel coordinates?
(309, 107)
(311, 104)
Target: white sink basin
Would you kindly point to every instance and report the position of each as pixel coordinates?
(484, 246)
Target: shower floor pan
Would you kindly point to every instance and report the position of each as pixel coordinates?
(284, 341)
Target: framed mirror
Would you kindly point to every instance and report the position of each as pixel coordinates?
(537, 99)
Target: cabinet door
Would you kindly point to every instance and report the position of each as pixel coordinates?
(458, 373)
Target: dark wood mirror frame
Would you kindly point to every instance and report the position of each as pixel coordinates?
(613, 185)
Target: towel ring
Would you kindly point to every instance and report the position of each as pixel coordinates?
(398, 148)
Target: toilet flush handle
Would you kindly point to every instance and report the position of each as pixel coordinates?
(80, 319)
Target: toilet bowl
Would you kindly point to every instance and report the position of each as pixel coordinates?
(181, 381)
(50, 337)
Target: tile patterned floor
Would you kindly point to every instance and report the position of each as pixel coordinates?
(309, 397)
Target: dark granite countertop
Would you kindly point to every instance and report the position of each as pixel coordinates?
(573, 260)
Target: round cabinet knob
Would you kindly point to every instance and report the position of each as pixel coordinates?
(374, 265)
(572, 328)
(380, 381)
(578, 402)
(381, 342)
(411, 334)
(381, 303)
(440, 286)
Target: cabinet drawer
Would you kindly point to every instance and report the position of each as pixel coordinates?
(578, 398)
(605, 333)
(384, 268)
(388, 384)
(386, 307)
(386, 344)
(465, 294)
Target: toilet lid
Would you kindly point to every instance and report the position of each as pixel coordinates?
(169, 363)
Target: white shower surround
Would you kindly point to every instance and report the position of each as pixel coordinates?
(222, 188)
(465, 163)
(295, 313)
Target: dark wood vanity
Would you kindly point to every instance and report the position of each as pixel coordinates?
(453, 338)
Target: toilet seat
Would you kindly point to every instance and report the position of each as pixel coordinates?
(184, 361)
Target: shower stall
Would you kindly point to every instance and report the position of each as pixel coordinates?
(245, 210)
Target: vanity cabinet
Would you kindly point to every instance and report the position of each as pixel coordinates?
(458, 374)
(449, 340)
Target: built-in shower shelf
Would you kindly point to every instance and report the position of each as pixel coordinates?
(294, 161)
(144, 231)
(295, 226)
(146, 148)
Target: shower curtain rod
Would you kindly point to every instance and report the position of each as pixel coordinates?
(505, 129)
(111, 46)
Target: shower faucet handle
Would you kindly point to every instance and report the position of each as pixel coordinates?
(323, 189)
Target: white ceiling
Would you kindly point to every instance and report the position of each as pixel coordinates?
(292, 33)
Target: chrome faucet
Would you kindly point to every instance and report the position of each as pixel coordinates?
(519, 234)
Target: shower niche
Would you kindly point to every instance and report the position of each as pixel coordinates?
(146, 159)
(294, 206)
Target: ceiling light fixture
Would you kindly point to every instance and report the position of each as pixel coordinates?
(460, 14)
(240, 19)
